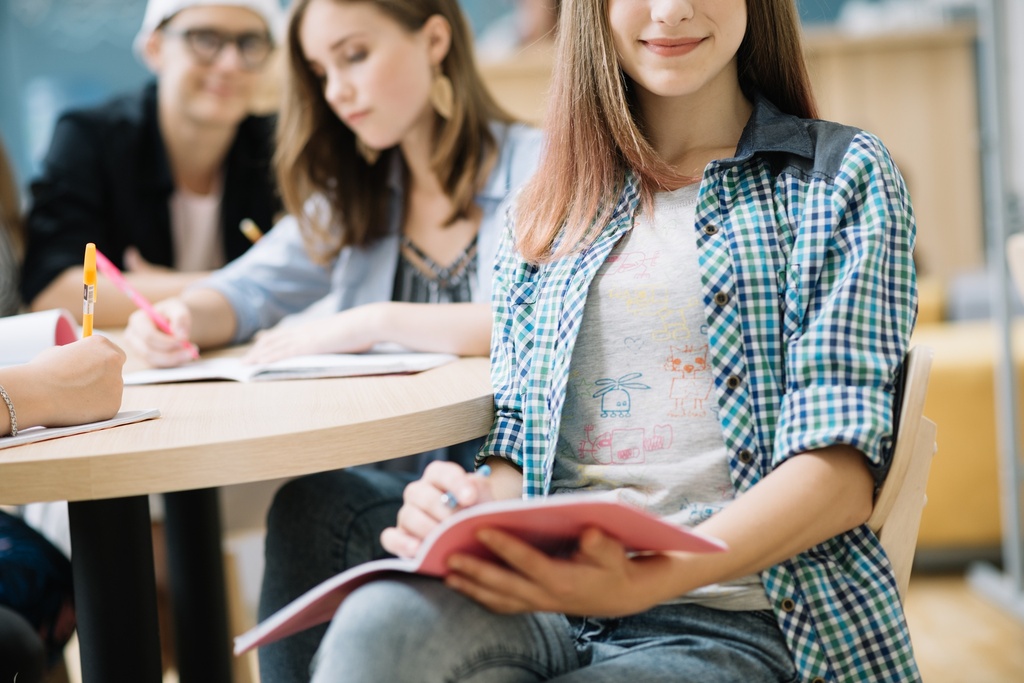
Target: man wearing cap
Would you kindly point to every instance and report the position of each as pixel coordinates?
(160, 179)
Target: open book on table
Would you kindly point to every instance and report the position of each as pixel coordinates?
(552, 524)
(23, 337)
(298, 367)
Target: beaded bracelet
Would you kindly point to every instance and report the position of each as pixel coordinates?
(10, 409)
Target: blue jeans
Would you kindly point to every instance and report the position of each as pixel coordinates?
(321, 525)
(416, 630)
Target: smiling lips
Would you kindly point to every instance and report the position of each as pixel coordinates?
(671, 47)
(221, 89)
(355, 117)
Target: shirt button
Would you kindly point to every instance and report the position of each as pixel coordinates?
(711, 229)
(746, 456)
(818, 679)
(788, 605)
(733, 381)
(721, 298)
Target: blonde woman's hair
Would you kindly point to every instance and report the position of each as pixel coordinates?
(316, 152)
(595, 134)
(10, 204)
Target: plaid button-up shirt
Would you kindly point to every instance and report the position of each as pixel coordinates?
(805, 243)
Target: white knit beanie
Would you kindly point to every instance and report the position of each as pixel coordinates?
(159, 11)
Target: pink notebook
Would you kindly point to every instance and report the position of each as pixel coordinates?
(552, 524)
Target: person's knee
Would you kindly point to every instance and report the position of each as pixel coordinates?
(441, 634)
(386, 598)
(375, 621)
(294, 500)
(391, 609)
(332, 520)
(305, 501)
(317, 496)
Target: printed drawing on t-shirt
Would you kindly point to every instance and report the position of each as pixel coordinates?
(640, 302)
(678, 323)
(634, 344)
(614, 394)
(698, 512)
(691, 380)
(672, 326)
(633, 263)
(623, 446)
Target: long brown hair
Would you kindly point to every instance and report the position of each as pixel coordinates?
(10, 205)
(316, 152)
(593, 132)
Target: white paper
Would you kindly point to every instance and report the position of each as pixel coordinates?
(298, 367)
(34, 434)
(23, 337)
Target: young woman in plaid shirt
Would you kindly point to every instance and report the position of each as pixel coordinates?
(702, 305)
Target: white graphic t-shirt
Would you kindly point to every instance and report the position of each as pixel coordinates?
(641, 417)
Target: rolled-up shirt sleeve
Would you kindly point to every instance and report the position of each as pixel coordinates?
(505, 438)
(850, 301)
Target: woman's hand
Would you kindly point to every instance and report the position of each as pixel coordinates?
(600, 579)
(423, 507)
(157, 348)
(72, 384)
(350, 331)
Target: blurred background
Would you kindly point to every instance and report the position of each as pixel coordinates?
(55, 54)
(910, 71)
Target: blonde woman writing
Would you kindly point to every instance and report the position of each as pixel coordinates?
(392, 160)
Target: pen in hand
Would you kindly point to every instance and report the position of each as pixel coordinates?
(115, 276)
(449, 499)
(89, 289)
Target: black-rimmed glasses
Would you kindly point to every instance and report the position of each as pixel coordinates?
(206, 44)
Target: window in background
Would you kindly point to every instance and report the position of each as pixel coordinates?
(819, 11)
(56, 54)
(481, 13)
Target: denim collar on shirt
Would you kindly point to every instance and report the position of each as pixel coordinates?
(769, 130)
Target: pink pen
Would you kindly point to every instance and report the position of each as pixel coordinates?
(114, 274)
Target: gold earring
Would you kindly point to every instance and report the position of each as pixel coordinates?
(369, 154)
(442, 97)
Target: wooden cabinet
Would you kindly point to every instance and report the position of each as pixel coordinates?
(918, 93)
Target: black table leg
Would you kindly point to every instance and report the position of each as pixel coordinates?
(115, 595)
(198, 596)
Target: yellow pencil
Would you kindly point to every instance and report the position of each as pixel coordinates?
(251, 230)
(89, 294)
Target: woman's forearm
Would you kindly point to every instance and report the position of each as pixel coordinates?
(462, 329)
(809, 499)
(213, 318)
(112, 305)
(506, 480)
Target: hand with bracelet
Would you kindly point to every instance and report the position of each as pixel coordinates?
(64, 385)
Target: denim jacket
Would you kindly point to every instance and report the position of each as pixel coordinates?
(804, 244)
(276, 277)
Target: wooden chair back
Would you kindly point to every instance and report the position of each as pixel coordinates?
(896, 517)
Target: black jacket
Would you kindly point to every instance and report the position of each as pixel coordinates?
(106, 180)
